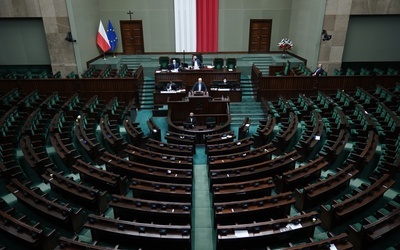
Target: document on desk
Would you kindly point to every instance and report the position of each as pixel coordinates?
(241, 233)
(332, 247)
(294, 226)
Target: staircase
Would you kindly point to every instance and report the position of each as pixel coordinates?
(262, 62)
(247, 89)
(132, 62)
(146, 98)
(239, 110)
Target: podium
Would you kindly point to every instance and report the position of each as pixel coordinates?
(203, 106)
(198, 102)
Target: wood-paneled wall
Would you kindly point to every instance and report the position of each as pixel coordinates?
(271, 87)
(106, 88)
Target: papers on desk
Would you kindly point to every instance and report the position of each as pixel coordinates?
(294, 226)
(172, 91)
(221, 89)
(210, 67)
(332, 247)
(241, 233)
(290, 226)
(175, 70)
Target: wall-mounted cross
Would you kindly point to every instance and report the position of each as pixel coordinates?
(130, 14)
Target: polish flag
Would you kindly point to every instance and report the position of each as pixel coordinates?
(102, 39)
(196, 25)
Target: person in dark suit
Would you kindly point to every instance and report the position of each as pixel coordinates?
(191, 120)
(199, 86)
(196, 63)
(318, 71)
(174, 65)
(170, 86)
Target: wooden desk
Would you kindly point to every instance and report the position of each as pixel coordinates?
(235, 191)
(161, 191)
(203, 107)
(189, 77)
(229, 147)
(77, 192)
(74, 243)
(146, 235)
(262, 233)
(100, 178)
(48, 206)
(161, 97)
(361, 198)
(159, 159)
(145, 171)
(150, 211)
(26, 231)
(170, 148)
(250, 210)
(323, 189)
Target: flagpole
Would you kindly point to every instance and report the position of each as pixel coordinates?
(104, 56)
(114, 56)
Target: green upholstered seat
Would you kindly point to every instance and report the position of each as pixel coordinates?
(163, 62)
(231, 63)
(218, 63)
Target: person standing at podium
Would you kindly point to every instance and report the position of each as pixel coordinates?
(199, 86)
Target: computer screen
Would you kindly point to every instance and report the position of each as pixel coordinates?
(210, 125)
(187, 125)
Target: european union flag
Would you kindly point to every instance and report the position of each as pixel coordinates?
(112, 37)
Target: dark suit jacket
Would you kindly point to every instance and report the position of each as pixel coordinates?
(318, 71)
(196, 86)
(198, 62)
(172, 66)
(192, 121)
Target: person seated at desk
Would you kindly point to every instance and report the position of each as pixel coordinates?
(191, 121)
(318, 71)
(225, 84)
(174, 66)
(196, 63)
(199, 86)
(170, 86)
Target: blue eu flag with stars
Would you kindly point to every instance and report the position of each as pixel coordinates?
(112, 37)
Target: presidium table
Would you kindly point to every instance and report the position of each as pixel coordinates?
(205, 108)
(186, 78)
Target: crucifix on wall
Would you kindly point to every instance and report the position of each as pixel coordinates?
(130, 14)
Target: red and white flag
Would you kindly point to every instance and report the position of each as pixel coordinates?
(102, 39)
(196, 25)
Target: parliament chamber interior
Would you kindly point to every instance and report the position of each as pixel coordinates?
(283, 133)
(85, 164)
